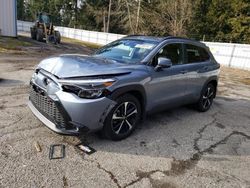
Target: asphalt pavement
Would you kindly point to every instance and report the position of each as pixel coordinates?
(172, 149)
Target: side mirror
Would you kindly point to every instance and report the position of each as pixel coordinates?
(163, 63)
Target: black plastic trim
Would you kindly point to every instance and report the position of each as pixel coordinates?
(129, 89)
(211, 79)
(58, 105)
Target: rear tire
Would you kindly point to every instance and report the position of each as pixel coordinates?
(123, 118)
(58, 37)
(206, 98)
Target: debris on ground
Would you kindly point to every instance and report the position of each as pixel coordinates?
(57, 151)
(37, 146)
(86, 149)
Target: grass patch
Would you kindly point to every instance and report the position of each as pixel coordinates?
(8, 43)
(2, 50)
(82, 43)
(246, 81)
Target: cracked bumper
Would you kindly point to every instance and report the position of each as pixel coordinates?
(49, 123)
(68, 114)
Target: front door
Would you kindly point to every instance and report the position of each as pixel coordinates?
(167, 87)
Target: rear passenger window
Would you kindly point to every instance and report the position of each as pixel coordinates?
(196, 54)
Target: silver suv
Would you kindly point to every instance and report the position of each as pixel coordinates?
(113, 89)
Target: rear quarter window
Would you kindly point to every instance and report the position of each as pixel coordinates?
(196, 54)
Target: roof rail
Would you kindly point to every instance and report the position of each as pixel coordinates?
(135, 35)
(174, 37)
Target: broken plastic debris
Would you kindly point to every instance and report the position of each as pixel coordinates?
(57, 151)
(37, 146)
(86, 149)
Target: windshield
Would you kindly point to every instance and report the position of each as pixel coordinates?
(127, 50)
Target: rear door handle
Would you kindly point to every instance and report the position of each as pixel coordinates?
(204, 69)
(183, 71)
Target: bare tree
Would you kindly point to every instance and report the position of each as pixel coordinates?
(169, 17)
(158, 17)
(132, 17)
(177, 14)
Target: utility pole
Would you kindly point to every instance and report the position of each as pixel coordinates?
(110, 2)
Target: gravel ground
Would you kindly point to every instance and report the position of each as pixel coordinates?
(177, 148)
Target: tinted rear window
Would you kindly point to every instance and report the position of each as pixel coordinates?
(196, 54)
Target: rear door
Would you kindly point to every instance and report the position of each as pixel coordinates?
(197, 63)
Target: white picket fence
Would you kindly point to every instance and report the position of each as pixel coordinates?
(84, 35)
(229, 54)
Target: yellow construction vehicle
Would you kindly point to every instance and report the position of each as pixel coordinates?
(44, 29)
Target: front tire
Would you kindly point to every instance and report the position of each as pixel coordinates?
(33, 33)
(39, 35)
(206, 98)
(123, 118)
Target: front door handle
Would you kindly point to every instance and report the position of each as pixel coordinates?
(183, 71)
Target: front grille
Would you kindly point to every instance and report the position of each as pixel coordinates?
(46, 106)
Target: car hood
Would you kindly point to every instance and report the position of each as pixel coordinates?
(68, 66)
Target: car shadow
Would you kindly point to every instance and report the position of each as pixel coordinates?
(183, 132)
(9, 82)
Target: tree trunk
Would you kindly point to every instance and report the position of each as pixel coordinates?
(110, 2)
(75, 11)
(104, 21)
(138, 15)
(129, 17)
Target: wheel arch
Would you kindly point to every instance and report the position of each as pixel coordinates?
(213, 80)
(135, 90)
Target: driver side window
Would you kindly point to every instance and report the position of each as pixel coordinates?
(171, 51)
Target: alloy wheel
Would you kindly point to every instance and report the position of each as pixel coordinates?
(207, 97)
(124, 117)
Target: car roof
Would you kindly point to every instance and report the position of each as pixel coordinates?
(161, 39)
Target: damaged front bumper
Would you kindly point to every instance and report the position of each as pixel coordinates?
(66, 113)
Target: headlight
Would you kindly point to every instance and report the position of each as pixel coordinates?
(90, 91)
